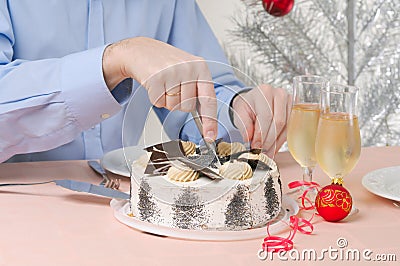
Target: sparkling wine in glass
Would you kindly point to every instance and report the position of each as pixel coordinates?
(338, 143)
(303, 121)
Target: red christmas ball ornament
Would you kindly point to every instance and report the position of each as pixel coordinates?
(333, 202)
(278, 8)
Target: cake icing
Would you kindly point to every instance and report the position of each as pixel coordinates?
(189, 148)
(181, 173)
(236, 170)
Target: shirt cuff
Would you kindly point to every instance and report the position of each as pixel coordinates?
(86, 93)
(123, 91)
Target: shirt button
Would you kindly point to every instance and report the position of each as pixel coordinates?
(105, 116)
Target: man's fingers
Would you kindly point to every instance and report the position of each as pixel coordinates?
(279, 142)
(244, 123)
(172, 97)
(288, 106)
(156, 94)
(207, 103)
(281, 139)
(257, 138)
(283, 134)
(264, 116)
(188, 96)
(208, 113)
(278, 123)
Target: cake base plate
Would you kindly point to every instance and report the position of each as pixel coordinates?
(289, 208)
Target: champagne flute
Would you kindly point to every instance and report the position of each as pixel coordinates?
(303, 121)
(338, 142)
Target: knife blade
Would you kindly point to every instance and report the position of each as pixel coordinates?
(92, 189)
(209, 146)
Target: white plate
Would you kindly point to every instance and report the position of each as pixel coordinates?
(384, 182)
(117, 161)
(289, 208)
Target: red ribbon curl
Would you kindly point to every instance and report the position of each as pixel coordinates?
(277, 243)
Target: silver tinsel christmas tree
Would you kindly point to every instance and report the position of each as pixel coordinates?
(354, 41)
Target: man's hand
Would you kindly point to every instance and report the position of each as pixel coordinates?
(261, 115)
(173, 78)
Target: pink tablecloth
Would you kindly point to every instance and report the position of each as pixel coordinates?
(48, 225)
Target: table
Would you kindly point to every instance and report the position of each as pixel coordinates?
(48, 225)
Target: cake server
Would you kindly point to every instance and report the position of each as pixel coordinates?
(79, 187)
(209, 146)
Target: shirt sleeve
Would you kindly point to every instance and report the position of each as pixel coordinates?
(191, 32)
(46, 103)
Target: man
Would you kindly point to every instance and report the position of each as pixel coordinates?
(67, 69)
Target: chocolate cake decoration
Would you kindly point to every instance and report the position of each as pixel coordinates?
(164, 154)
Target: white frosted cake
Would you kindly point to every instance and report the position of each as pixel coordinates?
(169, 188)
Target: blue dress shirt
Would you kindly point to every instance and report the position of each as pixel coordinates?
(54, 103)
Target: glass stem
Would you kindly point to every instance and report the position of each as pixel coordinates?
(307, 174)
